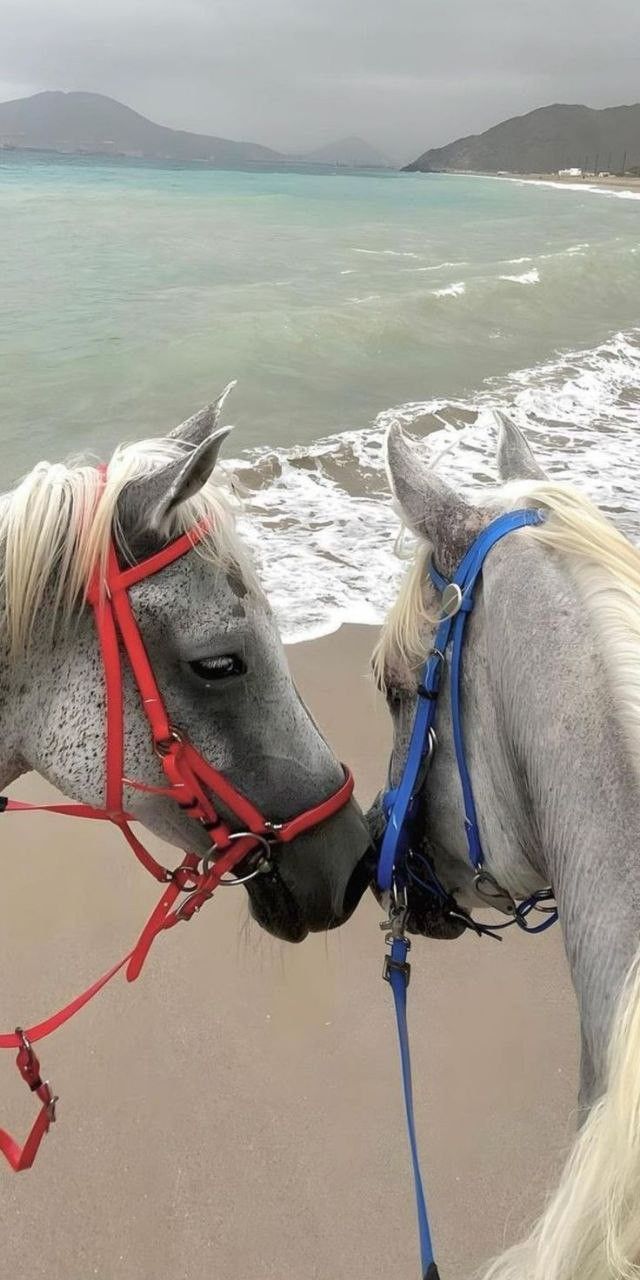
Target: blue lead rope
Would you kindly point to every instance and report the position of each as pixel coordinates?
(400, 803)
(397, 974)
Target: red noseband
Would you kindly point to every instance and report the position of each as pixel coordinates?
(195, 785)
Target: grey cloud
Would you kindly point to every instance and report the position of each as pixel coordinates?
(295, 73)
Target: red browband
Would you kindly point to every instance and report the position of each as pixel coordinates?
(190, 780)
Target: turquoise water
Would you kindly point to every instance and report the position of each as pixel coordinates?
(130, 294)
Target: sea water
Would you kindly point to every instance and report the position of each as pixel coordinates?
(130, 294)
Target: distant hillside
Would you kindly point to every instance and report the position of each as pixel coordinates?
(551, 138)
(354, 152)
(96, 125)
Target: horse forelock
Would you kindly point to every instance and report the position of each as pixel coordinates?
(57, 523)
(605, 567)
(402, 637)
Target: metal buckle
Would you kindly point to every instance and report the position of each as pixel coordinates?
(25, 1042)
(425, 763)
(162, 746)
(172, 877)
(545, 895)
(451, 600)
(396, 966)
(494, 894)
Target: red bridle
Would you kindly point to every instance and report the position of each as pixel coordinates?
(190, 780)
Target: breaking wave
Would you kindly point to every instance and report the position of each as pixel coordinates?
(319, 516)
(527, 277)
(451, 291)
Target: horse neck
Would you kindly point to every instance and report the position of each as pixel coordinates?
(23, 681)
(575, 788)
(14, 688)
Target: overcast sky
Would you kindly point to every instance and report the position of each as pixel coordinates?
(293, 74)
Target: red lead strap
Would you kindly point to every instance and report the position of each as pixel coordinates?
(190, 780)
(23, 1157)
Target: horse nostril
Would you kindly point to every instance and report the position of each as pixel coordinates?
(359, 882)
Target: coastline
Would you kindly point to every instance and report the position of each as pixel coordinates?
(626, 187)
(273, 1068)
(609, 182)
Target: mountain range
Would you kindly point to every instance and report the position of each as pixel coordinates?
(543, 141)
(92, 124)
(353, 152)
(97, 125)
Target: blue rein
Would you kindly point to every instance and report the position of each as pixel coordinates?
(400, 807)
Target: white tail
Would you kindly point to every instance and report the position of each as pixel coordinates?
(591, 1227)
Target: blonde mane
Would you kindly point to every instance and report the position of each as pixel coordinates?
(605, 566)
(56, 525)
(414, 610)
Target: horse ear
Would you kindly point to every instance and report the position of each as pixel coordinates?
(428, 505)
(179, 481)
(203, 423)
(515, 456)
(150, 499)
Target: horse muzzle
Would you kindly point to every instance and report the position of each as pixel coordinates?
(316, 882)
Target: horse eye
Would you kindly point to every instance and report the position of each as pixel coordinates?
(219, 668)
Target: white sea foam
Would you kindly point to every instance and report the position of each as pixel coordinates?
(439, 266)
(320, 517)
(574, 250)
(450, 290)
(527, 277)
(387, 253)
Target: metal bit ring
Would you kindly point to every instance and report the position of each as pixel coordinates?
(209, 859)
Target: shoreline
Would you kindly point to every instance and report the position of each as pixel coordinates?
(626, 188)
(608, 182)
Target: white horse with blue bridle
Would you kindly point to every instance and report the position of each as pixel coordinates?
(533, 781)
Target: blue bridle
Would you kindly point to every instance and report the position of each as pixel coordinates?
(400, 804)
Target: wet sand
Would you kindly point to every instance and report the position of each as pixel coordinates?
(237, 1112)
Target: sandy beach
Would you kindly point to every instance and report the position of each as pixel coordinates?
(238, 1111)
(608, 182)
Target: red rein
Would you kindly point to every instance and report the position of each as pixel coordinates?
(190, 781)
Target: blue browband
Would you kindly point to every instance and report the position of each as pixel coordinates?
(400, 805)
